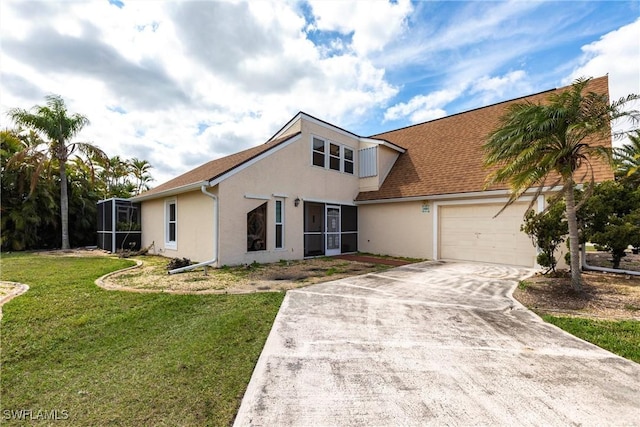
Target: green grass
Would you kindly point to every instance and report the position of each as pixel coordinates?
(122, 358)
(619, 337)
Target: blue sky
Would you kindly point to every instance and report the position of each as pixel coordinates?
(181, 83)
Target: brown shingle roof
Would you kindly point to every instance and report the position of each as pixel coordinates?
(215, 168)
(444, 156)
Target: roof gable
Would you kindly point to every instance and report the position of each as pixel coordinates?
(214, 169)
(444, 156)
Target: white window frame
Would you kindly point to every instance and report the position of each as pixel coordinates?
(328, 156)
(344, 160)
(314, 151)
(279, 223)
(170, 244)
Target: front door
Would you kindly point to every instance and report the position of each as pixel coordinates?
(332, 235)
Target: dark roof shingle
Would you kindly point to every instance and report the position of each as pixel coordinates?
(445, 156)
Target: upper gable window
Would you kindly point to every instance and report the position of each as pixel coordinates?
(330, 155)
(318, 152)
(347, 161)
(334, 157)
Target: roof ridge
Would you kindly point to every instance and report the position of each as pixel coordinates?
(463, 112)
(479, 108)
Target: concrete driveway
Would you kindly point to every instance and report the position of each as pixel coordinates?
(431, 344)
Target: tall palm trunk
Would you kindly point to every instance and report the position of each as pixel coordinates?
(61, 152)
(574, 238)
(64, 205)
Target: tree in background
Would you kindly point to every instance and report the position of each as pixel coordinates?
(538, 145)
(627, 160)
(611, 218)
(140, 170)
(31, 184)
(57, 127)
(28, 206)
(115, 175)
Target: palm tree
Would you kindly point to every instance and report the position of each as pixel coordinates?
(140, 170)
(26, 208)
(538, 145)
(627, 159)
(54, 123)
(25, 155)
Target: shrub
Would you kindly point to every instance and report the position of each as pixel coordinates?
(547, 230)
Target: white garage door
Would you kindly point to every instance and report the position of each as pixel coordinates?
(470, 233)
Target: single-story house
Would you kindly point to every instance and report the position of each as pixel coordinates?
(316, 189)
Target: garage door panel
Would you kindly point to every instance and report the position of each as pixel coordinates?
(469, 232)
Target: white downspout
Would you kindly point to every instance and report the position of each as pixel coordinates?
(586, 266)
(216, 228)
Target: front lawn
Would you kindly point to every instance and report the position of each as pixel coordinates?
(606, 313)
(620, 337)
(120, 358)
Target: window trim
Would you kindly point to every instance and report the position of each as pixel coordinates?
(327, 156)
(323, 152)
(264, 236)
(344, 160)
(170, 244)
(279, 223)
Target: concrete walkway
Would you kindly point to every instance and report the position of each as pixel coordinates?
(431, 344)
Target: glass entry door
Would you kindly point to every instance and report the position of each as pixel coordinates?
(332, 234)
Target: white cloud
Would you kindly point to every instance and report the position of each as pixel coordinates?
(423, 107)
(616, 53)
(481, 91)
(497, 84)
(373, 23)
(243, 69)
(488, 90)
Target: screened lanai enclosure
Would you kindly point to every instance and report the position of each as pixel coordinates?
(119, 227)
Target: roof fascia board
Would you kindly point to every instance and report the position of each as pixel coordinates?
(471, 195)
(329, 126)
(170, 192)
(383, 142)
(243, 166)
(286, 126)
(316, 121)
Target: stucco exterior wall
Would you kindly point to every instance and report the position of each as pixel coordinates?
(399, 229)
(386, 157)
(195, 226)
(294, 128)
(152, 222)
(287, 173)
